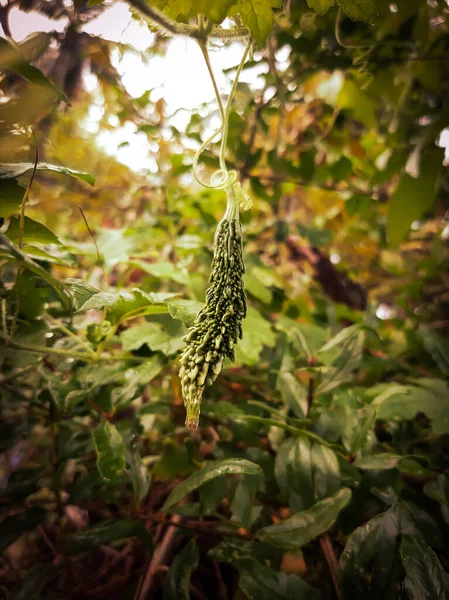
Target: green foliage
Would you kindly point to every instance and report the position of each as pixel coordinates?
(324, 441)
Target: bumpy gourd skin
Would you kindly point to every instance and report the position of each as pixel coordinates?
(218, 325)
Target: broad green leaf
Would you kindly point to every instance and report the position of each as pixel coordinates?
(344, 336)
(343, 366)
(124, 305)
(11, 196)
(356, 426)
(413, 197)
(293, 470)
(306, 472)
(14, 526)
(163, 270)
(259, 582)
(210, 470)
(437, 347)
(184, 310)
(425, 577)
(256, 288)
(177, 581)
(438, 489)
(110, 452)
(15, 252)
(257, 15)
(153, 335)
(429, 397)
(384, 460)
(14, 170)
(320, 6)
(293, 393)
(242, 506)
(138, 473)
(115, 246)
(363, 107)
(257, 333)
(359, 10)
(305, 526)
(106, 532)
(81, 291)
(33, 232)
(211, 494)
(355, 558)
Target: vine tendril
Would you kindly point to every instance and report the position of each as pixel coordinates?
(222, 178)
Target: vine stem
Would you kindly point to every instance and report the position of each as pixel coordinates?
(221, 179)
(67, 331)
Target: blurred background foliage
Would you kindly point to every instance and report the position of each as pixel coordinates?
(338, 133)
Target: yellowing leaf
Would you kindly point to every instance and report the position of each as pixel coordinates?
(320, 6)
(359, 10)
(257, 15)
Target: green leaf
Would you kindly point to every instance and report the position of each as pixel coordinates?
(106, 532)
(33, 233)
(356, 427)
(257, 15)
(320, 6)
(256, 288)
(153, 335)
(163, 270)
(110, 452)
(11, 196)
(355, 558)
(184, 310)
(138, 473)
(257, 333)
(425, 577)
(413, 197)
(259, 582)
(437, 347)
(242, 507)
(344, 365)
(12, 527)
(359, 10)
(363, 107)
(344, 336)
(305, 526)
(11, 58)
(293, 393)
(428, 397)
(306, 472)
(293, 470)
(177, 582)
(15, 252)
(210, 470)
(385, 460)
(81, 291)
(14, 170)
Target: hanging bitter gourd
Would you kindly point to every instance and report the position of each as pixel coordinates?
(218, 325)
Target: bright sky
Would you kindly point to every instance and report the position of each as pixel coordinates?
(180, 77)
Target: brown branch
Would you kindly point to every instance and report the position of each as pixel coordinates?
(159, 557)
(331, 559)
(310, 395)
(200, 527)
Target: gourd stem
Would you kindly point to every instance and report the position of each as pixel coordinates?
(221, 179)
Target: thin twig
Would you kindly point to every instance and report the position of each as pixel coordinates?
(159, 557)
(331, 559)
(200, 527)
(310, 395)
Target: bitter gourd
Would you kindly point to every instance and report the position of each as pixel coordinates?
(218, 325)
